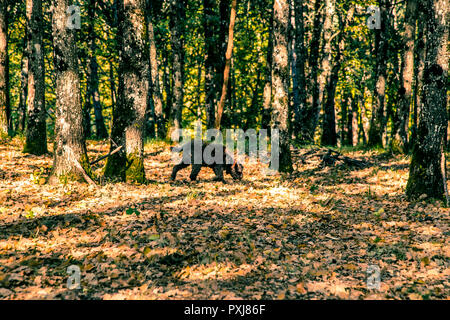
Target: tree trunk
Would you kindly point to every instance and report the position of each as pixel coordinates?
(36, 133)
(352, 123)
(252, 110)
(400, 136)
(280, 82)
(419, 65)
(267, 93)
(329, 135)
(112, 86)
(381, 50)
(100, 128)
(176, 39)
(93, 81)
(129, 115)
(5, 108)
(324, 77)
(313, 111)
(22, 112)
(70, 157)
(156, 90)
(427, 171)
(87, 126)
(211, 60)
(299, 81)
(226, 72)
(168, 86)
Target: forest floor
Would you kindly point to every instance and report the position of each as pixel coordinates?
(311, 235)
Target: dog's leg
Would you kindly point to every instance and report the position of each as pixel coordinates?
(194, 172)
(177, 168)
(218, 170)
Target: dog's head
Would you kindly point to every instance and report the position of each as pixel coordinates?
(237, 171)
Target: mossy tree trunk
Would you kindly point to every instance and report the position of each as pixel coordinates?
(36, 132)
(427, 171)
(5, 108)
(70, 157)
(280, 82)
(129, 115)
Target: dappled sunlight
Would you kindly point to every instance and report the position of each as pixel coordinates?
(298, 236)
(222, 271)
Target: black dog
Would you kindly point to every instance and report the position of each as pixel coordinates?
(194, 154)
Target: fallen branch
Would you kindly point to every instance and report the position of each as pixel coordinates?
(152, 154)
(106, 156)
(332, 156)
(328, 156)
(84, 174)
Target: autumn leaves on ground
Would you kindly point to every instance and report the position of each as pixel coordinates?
(311, 235)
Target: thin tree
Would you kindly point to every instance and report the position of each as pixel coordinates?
(280, 82)
(313, 110)
(155, 86)
(211, 60)
(381, 50)
(401, 123)
(419, 65)
(267, 92)
(5, 108)
(70, 160)
(22, 110)
(129, 114)
(298, 71)
(36, 132)
(329, 135)
(177, 43)
(226, 72)
(428, 170)
(93, 80)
